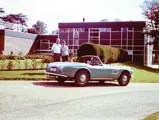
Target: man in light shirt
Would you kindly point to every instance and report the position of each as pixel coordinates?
(64, 51)
(56, 50)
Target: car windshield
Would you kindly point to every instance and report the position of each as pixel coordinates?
(91, 61)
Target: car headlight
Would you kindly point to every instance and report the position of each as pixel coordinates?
(53, 69)
(56, 69)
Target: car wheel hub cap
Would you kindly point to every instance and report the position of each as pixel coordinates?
(83, 78)
(125, 78)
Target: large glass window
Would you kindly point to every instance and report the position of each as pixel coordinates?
(130, 52)
(124, 29)
(105, 29)
(64, 30)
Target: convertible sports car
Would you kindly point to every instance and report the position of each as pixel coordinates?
(89, 68)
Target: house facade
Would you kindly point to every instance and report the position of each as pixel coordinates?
(126, 35)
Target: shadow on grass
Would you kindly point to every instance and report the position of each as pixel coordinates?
(32, 74)
(137, 66)
(72, 84)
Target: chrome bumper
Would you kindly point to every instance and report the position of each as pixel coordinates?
(54, 74)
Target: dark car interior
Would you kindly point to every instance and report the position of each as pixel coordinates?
(94, 61)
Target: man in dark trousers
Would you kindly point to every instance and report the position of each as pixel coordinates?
(56, 50)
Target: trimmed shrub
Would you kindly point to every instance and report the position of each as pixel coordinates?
(26, 64)
(3, 57)
(47, 59)
(106, 53)
(34, 63)
(11, 57)
(34, 56)
(2, 64)
(10, 65)
(20, 57)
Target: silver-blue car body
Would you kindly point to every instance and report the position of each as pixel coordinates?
(89, 68)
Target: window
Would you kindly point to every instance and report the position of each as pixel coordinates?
(130, 29)
(124, 29)
(81, 29)
(75, 33)
(64, 30)
(76, 42)
(105, 29)
(130, 52)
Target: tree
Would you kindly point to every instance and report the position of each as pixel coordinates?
(22, 19)
(116, 19)
(1, 11)
(55, 32)
(151, 12)
(40, 27)
(16, 19)
(104, 20)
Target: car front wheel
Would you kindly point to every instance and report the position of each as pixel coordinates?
(124, 79)
(82, 77)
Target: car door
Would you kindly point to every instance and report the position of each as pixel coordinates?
(101, 72)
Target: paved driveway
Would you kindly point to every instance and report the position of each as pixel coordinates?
(25, 100)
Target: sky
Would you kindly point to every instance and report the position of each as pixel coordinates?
(52, 12)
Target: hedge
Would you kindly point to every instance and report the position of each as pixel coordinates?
(21, 57)
(106, 53)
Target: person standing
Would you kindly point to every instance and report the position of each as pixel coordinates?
(64, 51)
(56, 50)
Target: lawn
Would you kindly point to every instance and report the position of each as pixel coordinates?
(23, 75)
(154, 116)
(141, 74)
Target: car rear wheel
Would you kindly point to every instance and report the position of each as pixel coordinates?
(82, 77)
(61, 80)
(124, 79)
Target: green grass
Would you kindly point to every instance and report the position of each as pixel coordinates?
(154, 116)
(142, 73)
(23, 75)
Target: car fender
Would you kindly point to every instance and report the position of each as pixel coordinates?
(71, 71)
(83, 69)
(123, 72)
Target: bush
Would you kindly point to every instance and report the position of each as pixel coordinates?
(3, 57)
(47, 59)
(26, 64)
(11, 57)
(34, 56)
(10, 65)
(34, 64)
(20, 57)
(2, 64)
(106, 53)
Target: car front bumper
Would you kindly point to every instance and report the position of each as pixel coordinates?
(49, 74)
